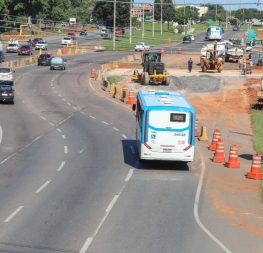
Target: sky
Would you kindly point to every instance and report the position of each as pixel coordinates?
(228, 4)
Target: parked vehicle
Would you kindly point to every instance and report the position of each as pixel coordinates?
(66, 40)
(101, 26)
(7, 93)
(25, 50)
(83, 32)
(58, 63)
(41, 44)
(236, 28)
(118, 31)
(142, 46)
(7, 75)
(44, 59)
(72, 35)
(106, 33)
(2, 56)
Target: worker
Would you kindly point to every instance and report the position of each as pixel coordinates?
(250, 66)
(240, 61)
(190, 65)
(211, 56)
(244, 70)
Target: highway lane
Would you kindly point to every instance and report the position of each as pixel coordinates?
(80, 184)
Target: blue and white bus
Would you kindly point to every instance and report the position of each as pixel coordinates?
(214, 32)
(165, 126)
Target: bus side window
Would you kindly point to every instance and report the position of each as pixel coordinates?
(139, 113)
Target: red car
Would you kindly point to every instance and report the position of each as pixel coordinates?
(118, 31)
(25, 50)
(72, 35)
(35, 40)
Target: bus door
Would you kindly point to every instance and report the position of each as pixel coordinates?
(169, 131)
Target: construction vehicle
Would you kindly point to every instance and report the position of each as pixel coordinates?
(212, 60)
(153, 70)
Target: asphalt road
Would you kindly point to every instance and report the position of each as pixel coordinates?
(70, 179)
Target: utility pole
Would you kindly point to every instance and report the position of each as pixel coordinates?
(153, 22)
(143, 21)
(161, 16)
(130, 21)
(114, 24)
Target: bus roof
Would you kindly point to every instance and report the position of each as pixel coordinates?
(163, 99)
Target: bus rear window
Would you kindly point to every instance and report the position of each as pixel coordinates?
(177, 117)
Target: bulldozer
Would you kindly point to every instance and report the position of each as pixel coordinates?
(153, 70)
(212, 60)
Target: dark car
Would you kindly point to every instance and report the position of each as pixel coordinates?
(44, 59)
(25, 50)
(83, 32)
(2, 56)
(236, 28)
(7, 93)
(187, 39)
(35, 40)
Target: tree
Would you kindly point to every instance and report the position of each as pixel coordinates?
(104, 12)
(168, 10)
(190, 13)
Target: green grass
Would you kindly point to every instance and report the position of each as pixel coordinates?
(114, 79)
(257, 120)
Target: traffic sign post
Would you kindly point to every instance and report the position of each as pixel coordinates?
(176, 30)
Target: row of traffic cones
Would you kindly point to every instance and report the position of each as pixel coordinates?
(217, 145)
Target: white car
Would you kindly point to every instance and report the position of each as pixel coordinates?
(41, 44)
(192, 37)
(66, 40)
(7, 75)
(142, 46)
(12, 47)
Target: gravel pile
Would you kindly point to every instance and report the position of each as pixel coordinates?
(199, 84)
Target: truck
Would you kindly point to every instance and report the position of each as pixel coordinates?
(12, 46)
(72, 22)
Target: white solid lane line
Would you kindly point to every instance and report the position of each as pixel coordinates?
(196, 205)
(112, 203)
(13, 214)
(43, 186)
(61, 166)
(129, 175)
(86, 245)
(1, 134)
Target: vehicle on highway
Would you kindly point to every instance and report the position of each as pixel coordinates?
(7, 75)
(7, 93)
(83, 32)
(63, 24)
(187, 39)
(192, 37)
(72, 35)
(25, 50)
(12, 46)
(58, 63)
(44, 59)
(35, 40)
(236, 28)
(41, 44)
(101, 26)
(66, 40)
(142, 46)
(165, 126)
(214, 32)
(2, 56)
(118, 31)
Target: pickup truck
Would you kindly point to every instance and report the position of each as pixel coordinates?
(12, 46)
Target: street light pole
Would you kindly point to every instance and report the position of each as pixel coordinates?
(153, 22)
(131, 22)
(143, 21)
(161, 16)
(114, 23)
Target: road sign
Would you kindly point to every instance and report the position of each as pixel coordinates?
(176, 30)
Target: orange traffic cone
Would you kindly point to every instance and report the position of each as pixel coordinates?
(179, 50)
(162, 51)
(197, 133)
(233, 157)
(93, 73)
(169, 41)
(219, 156)
(216, 136)
(255, 172)
(131, 100)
